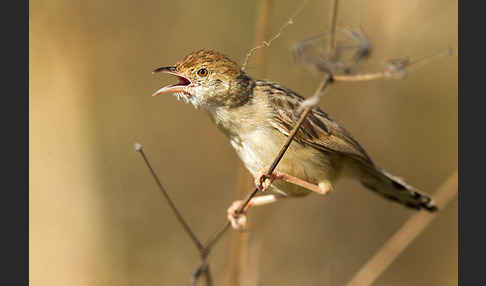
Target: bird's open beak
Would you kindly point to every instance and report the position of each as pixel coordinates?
(178, 87)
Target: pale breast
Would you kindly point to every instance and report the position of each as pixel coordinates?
(258, 149)
(257, 143)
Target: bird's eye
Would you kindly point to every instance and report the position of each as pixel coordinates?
(202, 72)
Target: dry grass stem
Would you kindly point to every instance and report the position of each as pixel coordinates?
(384, 257)
(238, 270)
(332, 32)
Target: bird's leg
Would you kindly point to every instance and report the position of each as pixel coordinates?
(263, 182)
(239, 220)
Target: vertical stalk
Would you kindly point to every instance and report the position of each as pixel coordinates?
(332, 29)
(238, 273)
(262, 33)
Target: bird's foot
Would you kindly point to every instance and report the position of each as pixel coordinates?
(263, 181)
(237, 219)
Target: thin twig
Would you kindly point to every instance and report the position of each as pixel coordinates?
(208, 276)
(182, 221)
(396, 69)
(403, 237)
(203, 269)
(320, 90)
(266, 44)
(361, 77)
(216, 236)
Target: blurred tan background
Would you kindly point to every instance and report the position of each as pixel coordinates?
(96, 216)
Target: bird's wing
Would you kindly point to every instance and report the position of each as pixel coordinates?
(318, 129)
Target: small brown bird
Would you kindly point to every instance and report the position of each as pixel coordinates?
(258, 115)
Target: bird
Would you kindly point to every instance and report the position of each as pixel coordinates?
(257, 116)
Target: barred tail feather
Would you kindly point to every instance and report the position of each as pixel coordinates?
(395, 189)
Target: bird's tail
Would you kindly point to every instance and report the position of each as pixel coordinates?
(395, 189)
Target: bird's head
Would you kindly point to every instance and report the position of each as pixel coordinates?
(207, 79)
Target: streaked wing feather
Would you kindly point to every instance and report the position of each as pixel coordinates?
(318, 130)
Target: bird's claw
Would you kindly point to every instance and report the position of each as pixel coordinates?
(263, 181)
(238, 220)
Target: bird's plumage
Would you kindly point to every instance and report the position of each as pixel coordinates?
(258, 115)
